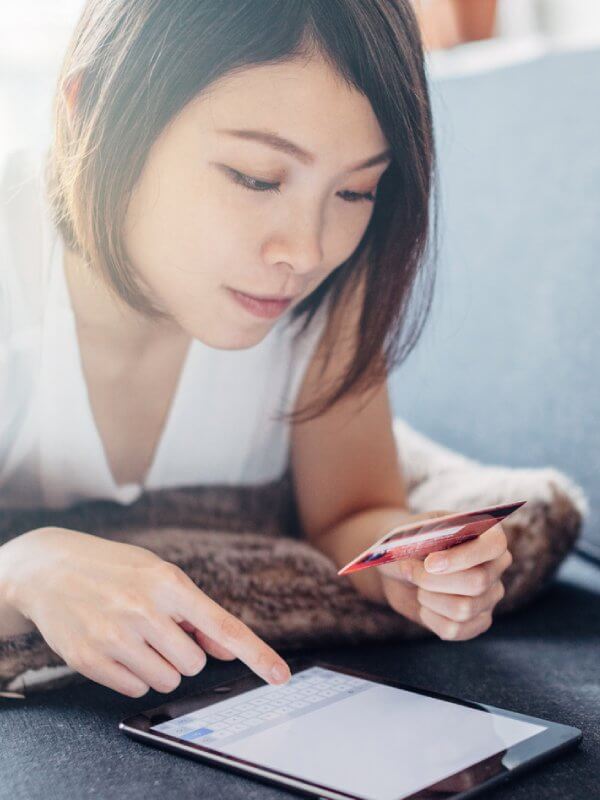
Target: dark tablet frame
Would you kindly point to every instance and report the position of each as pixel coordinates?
(544, 745)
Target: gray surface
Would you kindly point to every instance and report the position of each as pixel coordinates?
(508, 367)
(541, 661)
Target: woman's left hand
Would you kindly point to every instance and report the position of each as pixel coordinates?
(456, 602)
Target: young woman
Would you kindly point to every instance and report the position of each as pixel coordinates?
(209, 276)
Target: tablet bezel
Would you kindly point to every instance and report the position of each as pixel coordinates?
(520, 757)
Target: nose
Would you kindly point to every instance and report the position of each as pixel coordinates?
(298, 243)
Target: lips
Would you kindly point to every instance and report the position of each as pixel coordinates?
(260, 307)
(276, 297)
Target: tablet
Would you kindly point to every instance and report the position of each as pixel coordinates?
(333, 732)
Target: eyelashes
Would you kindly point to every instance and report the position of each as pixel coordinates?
(256, 185)
(248, 182)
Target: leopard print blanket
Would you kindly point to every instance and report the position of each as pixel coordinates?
(243, 547)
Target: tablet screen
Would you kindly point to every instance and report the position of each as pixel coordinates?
(351, 734)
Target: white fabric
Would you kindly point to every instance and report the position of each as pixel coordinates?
(219, 428)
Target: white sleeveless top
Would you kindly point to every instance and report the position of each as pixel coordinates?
(219, 428)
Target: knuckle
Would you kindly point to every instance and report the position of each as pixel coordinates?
(82, 661)
(231, 627)
(420, 578)
(422, 595)
(501, 590)
(486, 622)
(450, 630)
(471, 633)
(144, 556)
(152, 625)
(196, 664)
(137, 606)
(110, 636)
(138, 691)
(478, 581)
(508, 557)
(168, 681)
(171, 572)
(465, 609)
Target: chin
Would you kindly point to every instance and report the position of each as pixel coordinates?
(225, 327)
(238, 343)
(229, 339)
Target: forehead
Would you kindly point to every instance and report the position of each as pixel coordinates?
(306, 101)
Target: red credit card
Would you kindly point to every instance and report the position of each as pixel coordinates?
(417, 539)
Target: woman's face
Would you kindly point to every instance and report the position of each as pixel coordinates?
(193, 231)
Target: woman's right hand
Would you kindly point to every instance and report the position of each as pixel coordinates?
(118, 613)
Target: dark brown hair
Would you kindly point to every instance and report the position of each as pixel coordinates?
(139, 62)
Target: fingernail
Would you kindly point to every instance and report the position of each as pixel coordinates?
(439, 565)
(281, 674)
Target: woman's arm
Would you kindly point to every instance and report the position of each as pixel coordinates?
(345, 461)
(347, 476)
(12, 622)
(350, 491)
(348, 483)
(120, 615)
(351, 536)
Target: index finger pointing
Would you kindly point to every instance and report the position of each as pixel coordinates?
(230, 632)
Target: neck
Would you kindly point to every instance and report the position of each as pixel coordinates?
(107, 319)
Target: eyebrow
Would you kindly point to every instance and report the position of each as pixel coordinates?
(285, 146)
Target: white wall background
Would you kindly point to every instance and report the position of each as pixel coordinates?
(563, 19)
(33, 36)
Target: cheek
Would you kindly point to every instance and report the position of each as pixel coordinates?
(179, 240)
(346, 231)
(217, 227)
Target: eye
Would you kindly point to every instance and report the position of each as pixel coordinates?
(356, 197)
(258, 185)
(248, 182)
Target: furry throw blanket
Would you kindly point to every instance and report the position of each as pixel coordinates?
(242, 546)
